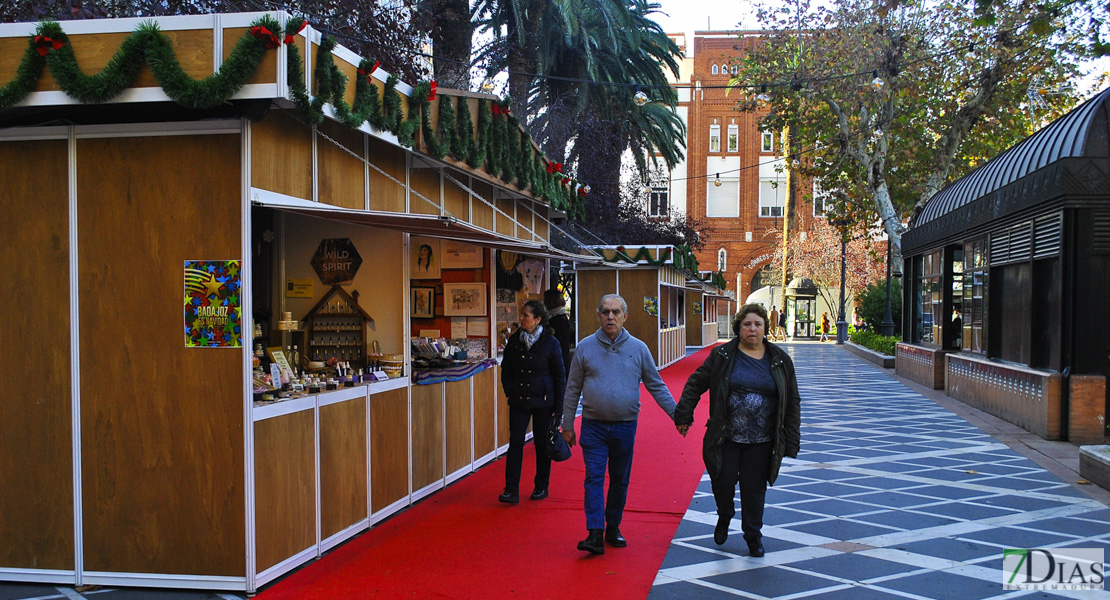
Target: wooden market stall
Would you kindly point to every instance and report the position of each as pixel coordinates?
(285, 205)
(1007, 271)
(652, 280)
(706, 303)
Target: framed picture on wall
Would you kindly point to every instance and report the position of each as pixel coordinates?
(464, 299)
(424, 258)
(423, 303)
(460, 255)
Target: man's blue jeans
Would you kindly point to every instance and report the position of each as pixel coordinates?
(612, 443)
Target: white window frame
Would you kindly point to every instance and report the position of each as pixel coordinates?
(733, 139)
(659, 189)
(820, 198)
(768, 141)
(767, 209)
(722, 260)
(734, 70)
(714, 138)
(713, 69)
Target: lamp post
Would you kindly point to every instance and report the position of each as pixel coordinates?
(886, 328)
(841, 321)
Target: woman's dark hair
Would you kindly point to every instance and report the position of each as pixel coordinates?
(553, 299)
(430, 255)
(537, 309)
(746, 310)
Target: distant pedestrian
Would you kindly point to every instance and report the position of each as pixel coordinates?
(773, 327)
(754, 421)
(534, 380)
(606, 371)
(782, 325)
(560, 322)
(824, 327)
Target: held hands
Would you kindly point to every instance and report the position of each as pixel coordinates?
(569, 438)
(683, 429)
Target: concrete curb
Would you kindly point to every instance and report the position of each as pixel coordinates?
(885, 361)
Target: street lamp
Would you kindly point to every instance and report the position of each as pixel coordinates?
(841, 322)
(886, 328)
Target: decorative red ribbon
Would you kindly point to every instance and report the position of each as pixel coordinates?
(582, 191)
(272, 40)
(432, 93)
(497, 110)
(554, 167)
(45, 44)
(370, 72)
(292, 36)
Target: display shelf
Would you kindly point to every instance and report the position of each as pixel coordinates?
(336, 327)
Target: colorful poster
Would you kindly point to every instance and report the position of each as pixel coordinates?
(213, 314)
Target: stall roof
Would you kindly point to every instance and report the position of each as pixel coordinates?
(440, 226)
(1080, 133)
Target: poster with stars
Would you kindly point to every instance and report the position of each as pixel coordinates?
(213, 315)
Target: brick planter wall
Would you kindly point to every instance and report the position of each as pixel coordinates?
(1026, 397)
(1086, 405)
(919, 364)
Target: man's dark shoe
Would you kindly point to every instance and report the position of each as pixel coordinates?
(509, 497)
(720, 533)
(594, 543)
(538, 494)
(614, 538)
(755, 548)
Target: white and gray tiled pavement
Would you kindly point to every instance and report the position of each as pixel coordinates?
(893, 496)
(899, 492)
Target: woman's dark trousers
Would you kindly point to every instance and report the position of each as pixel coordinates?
(518, 427)
(749, 465)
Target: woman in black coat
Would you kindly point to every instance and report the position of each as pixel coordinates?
(754, 421)
(534, 380)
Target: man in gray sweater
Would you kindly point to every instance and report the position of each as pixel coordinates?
(606, 372)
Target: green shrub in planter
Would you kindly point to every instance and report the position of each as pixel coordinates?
(876, 342)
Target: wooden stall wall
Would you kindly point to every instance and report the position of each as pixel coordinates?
(389, 448)
(36, 437)
(459, 426)
(281, 147)
(635, 284)
(481, 213)
(693, 319)
(485, 410)
(284, 487)
(386, 194)
(161, 424)
(342, 176)
(590, 287)
(425, 182)
(343, 483)
(427, 435)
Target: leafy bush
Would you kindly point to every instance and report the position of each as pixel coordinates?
(876, 342)
(871, 305)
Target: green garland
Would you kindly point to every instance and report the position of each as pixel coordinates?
(494, 143)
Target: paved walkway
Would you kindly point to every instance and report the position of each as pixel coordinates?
(892, 496)
(899, 492)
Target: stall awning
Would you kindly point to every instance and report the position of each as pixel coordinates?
(440, 226)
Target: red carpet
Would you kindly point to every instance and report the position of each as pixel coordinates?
(462, 543)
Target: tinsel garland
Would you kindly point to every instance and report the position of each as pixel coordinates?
(497, 143)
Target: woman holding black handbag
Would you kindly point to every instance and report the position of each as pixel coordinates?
(534, 380)
(754, 421)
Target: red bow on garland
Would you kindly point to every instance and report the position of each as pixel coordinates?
(271, 38)
(497, 110)
(45, 44)
(582, 191)
(371, 71)
(432, 94)
(566, 180)
(292, 36)
(554, 167)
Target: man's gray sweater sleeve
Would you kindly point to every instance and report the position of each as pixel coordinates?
(574, 391)
(654, 384)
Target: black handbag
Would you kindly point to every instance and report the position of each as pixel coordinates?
(557, 448)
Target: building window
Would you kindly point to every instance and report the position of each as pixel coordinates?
(713, 69)
(724, 69)
(734, 69)
(822, 201)
(772, 194)
(723, 200)
(714, 138)
(659, 205)
(768, 141)
(929, 299)
(722, 259)
(733, 138)
(973, 308)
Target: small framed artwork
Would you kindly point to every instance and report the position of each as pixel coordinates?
(464, 299)
(460, 255)
(423, 303)
(424, 259)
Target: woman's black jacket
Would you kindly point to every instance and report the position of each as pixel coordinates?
(534, 378)
(560, 328)
(714, 375)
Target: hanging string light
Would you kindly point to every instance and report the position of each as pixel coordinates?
(717, 182)
(640, 98)
(762, 99)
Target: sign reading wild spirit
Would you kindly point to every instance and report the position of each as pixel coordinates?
(213, 309)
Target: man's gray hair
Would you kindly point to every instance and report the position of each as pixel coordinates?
(624, 305)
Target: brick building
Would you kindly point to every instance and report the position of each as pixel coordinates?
(723, 144)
